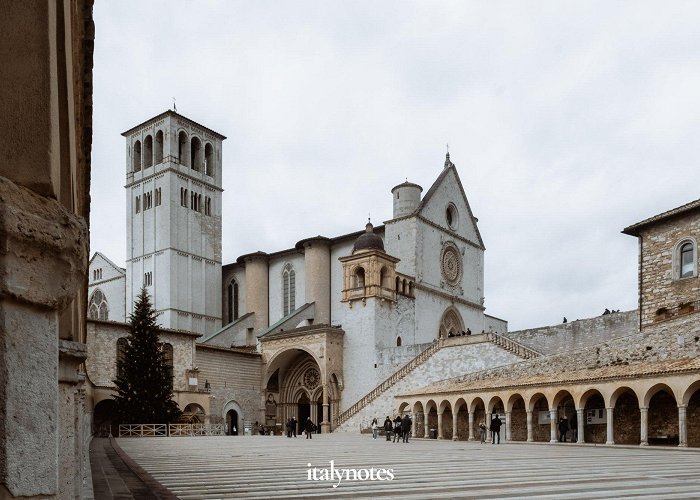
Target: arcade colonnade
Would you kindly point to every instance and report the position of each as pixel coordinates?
(661, 410)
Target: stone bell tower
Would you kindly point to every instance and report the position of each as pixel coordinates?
(173, 213)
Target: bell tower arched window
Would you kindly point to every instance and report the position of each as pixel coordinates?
(288, 289)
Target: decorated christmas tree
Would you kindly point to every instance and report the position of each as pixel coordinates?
(144, 380)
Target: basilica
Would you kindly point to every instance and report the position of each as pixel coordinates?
(312, 327)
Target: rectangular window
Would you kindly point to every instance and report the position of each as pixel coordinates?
(138, 204)
(158, 197)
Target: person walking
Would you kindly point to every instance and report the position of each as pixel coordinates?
(289, 428)
(495, 429)
(375, 428)
(482, 432)
(294, 427)
(309, 428)
(406, 427)
(563, 429)
(388, 426)
(397, 429)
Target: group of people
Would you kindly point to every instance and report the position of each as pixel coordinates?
(460, 334)
(494, 427)
(566, 425)
(308, 427)
(400, 428)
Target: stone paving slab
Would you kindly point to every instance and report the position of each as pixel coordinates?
(276, 467)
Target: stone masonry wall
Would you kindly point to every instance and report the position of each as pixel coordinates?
(676, 339)
(449, 361)
(660, 287)
(579, 333)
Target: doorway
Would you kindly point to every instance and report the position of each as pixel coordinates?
(232, 423)
(304, 412)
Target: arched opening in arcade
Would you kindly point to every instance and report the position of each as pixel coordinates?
(462, 411)
(594, 417)
(626, 416)
(478, 408)
(418, 420)
(567, 419)
(518, 418)
(662, 420)
(541, 418)
(445, 421)
(692, 400)
(104, 419)
(431, 419)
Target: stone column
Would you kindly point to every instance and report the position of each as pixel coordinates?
(257, 287)
(508, 426)
(317, 279)
(643, 426)
(682, 426)
(471, 426)
(579, 431)
(325, 424)
(553, 425)
(609, 420)
(414, 427)
(530, 437)
(439, 429)
(455, 437)
(426, 432)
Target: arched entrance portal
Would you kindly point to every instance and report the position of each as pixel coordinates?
(300, 389)
(450, 324)
(232, 423)
(103, 418)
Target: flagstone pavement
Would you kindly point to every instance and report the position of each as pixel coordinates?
(277, 467)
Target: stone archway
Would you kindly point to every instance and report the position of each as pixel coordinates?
(234, 418)
(450, 323)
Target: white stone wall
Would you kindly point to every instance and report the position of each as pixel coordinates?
(448, 362)
(338, 308)
(400, 241)
(276, 265)
(112, 284)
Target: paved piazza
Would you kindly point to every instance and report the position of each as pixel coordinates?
(276, 467)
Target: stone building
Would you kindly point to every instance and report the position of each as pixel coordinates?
(639, 387)
(327, 319)
(46, 114)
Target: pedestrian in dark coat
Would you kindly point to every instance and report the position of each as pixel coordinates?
(309, 428)
(495, 429)
(388, 426)
(294, 427)
(397, 429)
(406, 427)
(289, 428)
(563, 429)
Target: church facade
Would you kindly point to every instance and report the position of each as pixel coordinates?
(329, 317)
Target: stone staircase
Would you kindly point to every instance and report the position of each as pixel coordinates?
(443, 359)
(510, 345)
(393, 379)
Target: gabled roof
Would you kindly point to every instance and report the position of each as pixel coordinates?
(118, 269)
(686, 209)
(286, 318)
(226, 327)
(450, 167)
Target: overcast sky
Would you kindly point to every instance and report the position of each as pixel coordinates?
(567, 122)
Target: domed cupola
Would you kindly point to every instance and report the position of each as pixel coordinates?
(368, 240)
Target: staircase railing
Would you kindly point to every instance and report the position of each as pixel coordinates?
(512, 346)
(393, 379)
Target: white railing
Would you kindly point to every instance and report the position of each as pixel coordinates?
(511, 345)
(174, 430)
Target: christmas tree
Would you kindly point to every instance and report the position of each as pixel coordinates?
(144, 380)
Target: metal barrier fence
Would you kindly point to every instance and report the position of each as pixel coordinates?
(174, 430)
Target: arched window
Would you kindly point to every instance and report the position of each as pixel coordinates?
(122, 345)
(359, 278)
(209, 159)
(167, 350)
(410, 288)
(233, 301)
(398, 284)
(403, 287)
(196, 154)
(137, 156)
(148, 152)
(687, 260)
(288, 289)
(182, 150)
(98, 307)
(384, 278)
(398, 341)
(159, 147)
